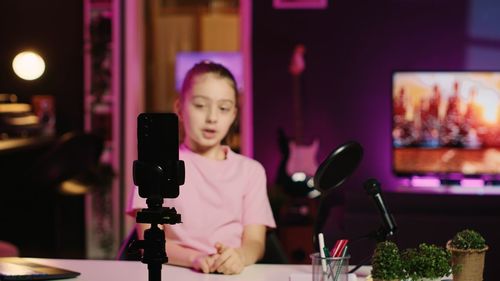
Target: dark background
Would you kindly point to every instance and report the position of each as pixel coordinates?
(47, 223)
(55, 27)
(352, 49)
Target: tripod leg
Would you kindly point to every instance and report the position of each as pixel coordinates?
(154, 272)
(154, 251)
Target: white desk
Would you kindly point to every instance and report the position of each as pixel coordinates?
(99, 270)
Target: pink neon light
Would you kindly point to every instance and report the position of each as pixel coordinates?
(472, 183)
(301, 4)
(425, 182)
(246, 48)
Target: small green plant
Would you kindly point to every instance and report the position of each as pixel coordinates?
(427, 261)
(468, 249)
(386, 263)
(468, 239)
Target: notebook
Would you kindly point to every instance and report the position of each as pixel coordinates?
(308, 277)
(14, 269)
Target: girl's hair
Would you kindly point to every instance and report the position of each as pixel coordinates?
(205, 67)
(210, 67)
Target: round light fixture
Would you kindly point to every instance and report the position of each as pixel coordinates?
(28, 65)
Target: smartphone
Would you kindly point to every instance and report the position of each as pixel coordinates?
(158, 155)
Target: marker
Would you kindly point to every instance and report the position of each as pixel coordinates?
(327, 253)
(338, 248)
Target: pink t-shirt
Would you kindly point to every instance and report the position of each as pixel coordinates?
(218, 199)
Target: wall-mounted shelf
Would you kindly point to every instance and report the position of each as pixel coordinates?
(102, 116)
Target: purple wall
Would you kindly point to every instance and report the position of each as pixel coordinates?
(352, 49)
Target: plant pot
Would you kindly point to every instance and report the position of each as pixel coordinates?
(470, 263)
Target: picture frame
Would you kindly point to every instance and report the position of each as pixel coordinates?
(44, 108)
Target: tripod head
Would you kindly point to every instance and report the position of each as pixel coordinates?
(155, 183)
(150, 179)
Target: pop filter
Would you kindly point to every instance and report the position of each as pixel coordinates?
(332, 172)
(338, 166)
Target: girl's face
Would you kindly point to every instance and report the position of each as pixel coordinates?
(207, 112)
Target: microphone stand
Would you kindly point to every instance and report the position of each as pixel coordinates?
(378, 235)
(319, 222)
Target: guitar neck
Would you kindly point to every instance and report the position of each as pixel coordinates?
(297, 109)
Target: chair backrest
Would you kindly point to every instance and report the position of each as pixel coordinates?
(124, 253)
(274, 253)
(8, 249)
(73, 154)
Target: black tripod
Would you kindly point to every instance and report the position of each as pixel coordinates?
(158, 174)
(149, 178)
(154, 254)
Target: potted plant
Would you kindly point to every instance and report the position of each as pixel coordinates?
(427, 262)
(386, 262)
(468, 249)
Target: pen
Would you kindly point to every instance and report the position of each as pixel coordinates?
(321, 240)
(329, 261)
(339, 268)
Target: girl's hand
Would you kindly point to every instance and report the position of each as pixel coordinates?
(204, 263)
(230, 260)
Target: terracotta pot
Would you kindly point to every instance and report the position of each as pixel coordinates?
(470, 263)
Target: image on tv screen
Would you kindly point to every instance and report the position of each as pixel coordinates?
(446, 122)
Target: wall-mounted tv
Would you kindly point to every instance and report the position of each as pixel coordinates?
(446, 123)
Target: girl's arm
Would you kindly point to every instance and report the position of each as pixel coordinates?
(234, 260)
(253, 243)
(182, 256)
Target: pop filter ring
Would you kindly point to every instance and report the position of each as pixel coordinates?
(332, 172)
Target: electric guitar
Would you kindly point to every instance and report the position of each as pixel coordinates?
(300, 158)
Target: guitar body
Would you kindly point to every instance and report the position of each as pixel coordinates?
(302, 158)
(290, 164)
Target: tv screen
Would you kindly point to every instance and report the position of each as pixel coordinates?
(446, 123)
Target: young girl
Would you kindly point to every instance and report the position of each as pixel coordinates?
(223, 203)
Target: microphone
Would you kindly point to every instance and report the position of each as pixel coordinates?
(372, 187)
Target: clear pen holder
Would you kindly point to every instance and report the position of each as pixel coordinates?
(330, 268)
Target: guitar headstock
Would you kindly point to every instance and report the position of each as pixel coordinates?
(297, 62)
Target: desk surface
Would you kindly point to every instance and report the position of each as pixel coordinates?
(97, 270)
